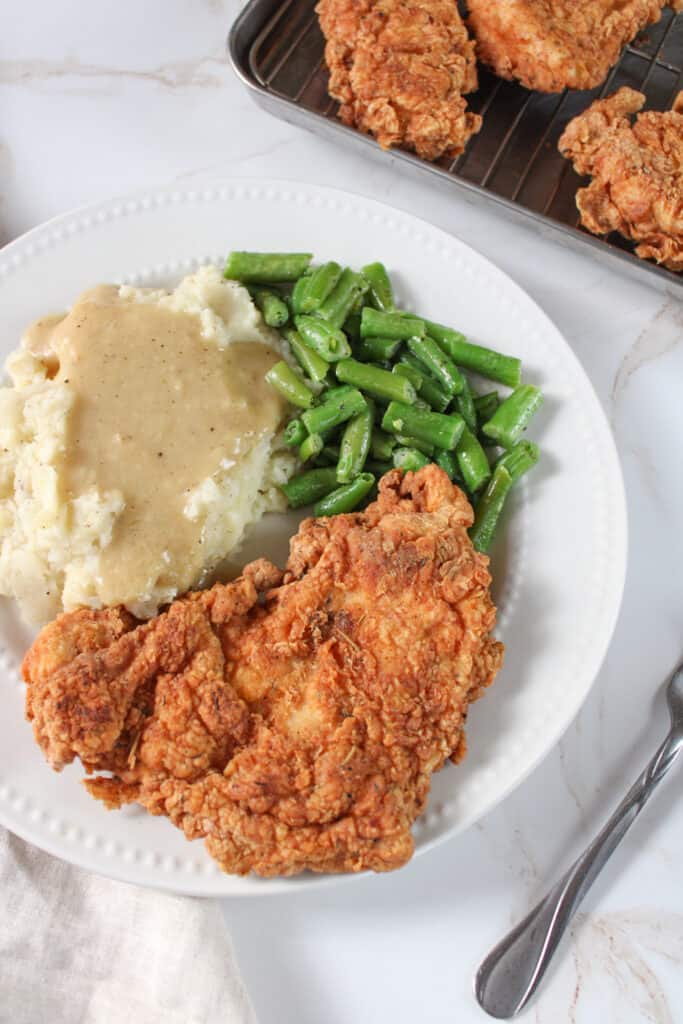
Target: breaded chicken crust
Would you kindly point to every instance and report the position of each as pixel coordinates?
(399, 69)
(292, 720)
(551, 45)
(637, 171)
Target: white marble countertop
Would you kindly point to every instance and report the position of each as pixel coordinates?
(98, 99)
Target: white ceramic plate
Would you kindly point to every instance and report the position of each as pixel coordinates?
(559, 566)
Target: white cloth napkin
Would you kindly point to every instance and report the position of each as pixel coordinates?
(79, 949)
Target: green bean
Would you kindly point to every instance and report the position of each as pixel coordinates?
(361, 301)
(311, 447)
(409, 459)
(433, 427)
(489, 508)
(283, 378)
(445, 371)
(381, 294)
(484, 361)
(376, 324)
(334, 410)
(472, 461)
(308, 487)
(519, 459)
(354, 446)
(382, 445)
(429, 389)
(437, 398)
(511, 417)
(406, 359)
(328, 341)
(405, 441)
(337, 391)
(346, 497)
(273, 307)
(377, 349)
(320, 283)
(294, 433)
(375, 381)
(313, 365)
(266, 267)
(378, 468)
(464, 403)
(296, 299)
(486, 405)
(342, 299)
(403, 370)
(448, 463)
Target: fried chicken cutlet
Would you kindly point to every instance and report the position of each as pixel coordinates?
(637, 171)
(551, 45)
(399, 69)
(293, 719)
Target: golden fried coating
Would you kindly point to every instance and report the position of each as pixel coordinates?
(399, 69)
(551, 45)
(292, 720)
(637, 170)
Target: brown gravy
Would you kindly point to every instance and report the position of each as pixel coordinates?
(158, 409)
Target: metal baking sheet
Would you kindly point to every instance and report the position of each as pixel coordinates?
(276, 48)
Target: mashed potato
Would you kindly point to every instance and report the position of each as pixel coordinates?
(138, 441)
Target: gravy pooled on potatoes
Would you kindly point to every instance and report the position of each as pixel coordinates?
(163, 422)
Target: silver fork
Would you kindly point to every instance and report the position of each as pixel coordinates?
(513, 970)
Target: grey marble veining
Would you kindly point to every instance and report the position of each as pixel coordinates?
(55, 74)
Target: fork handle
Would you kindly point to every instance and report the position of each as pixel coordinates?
(512, 971)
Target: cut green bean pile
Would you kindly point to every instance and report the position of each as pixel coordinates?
(379, 387)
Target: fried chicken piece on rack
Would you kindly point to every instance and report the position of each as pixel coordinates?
(637, 171)
(399, 69)
(292, 720)
(551, 45)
